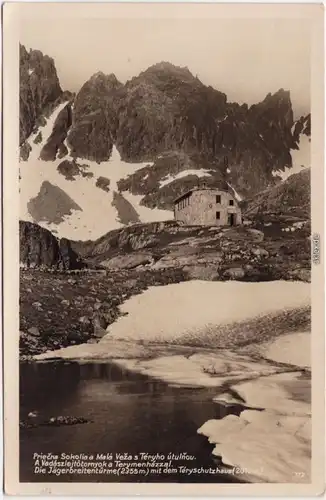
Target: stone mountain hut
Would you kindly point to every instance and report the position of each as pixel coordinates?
(207, 206)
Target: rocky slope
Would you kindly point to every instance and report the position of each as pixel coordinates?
(287, 200)
(242, 253)
(59, 308)
(162, 132)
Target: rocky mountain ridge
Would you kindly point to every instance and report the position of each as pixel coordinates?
(183, 132)
(39, 90)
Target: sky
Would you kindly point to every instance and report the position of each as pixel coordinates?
(245, 58)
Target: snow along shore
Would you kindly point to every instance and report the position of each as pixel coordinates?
(270, 441)
(165, 313)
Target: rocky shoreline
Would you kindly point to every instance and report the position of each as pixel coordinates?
(62, 309)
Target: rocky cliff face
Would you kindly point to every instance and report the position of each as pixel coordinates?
(41, 249)
(167, 108)
(39, 88)
(95, 118)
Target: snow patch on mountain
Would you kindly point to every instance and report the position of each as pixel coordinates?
(199, 173)
(98, 214)
(147, 214)
(235, 193)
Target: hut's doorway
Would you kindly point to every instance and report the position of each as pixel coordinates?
(231, 219)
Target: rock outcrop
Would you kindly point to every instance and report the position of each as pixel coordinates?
(51, 204)
(103, 183)
(245, 254)
(39, 248)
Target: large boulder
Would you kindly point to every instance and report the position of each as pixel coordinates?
(128, 261)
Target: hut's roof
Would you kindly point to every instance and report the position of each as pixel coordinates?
(224, 188)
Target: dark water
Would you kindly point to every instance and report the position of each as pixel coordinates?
(129, 413)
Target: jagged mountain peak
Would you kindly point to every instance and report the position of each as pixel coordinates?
(39, 88)
(165, 74)
(100, 77)
(166, 66)
(273, 100)
(36, 58)
(281, 94)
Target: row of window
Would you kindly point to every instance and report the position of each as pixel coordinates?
(183, 203)
(186, 201)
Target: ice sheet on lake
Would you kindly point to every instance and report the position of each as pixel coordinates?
(273, 444)
(266, 445)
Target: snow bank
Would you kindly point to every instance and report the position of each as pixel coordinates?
(147, 214)
(165, 313)
(235, 193)
(294, 348)
(199, 173)
(111, 349)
